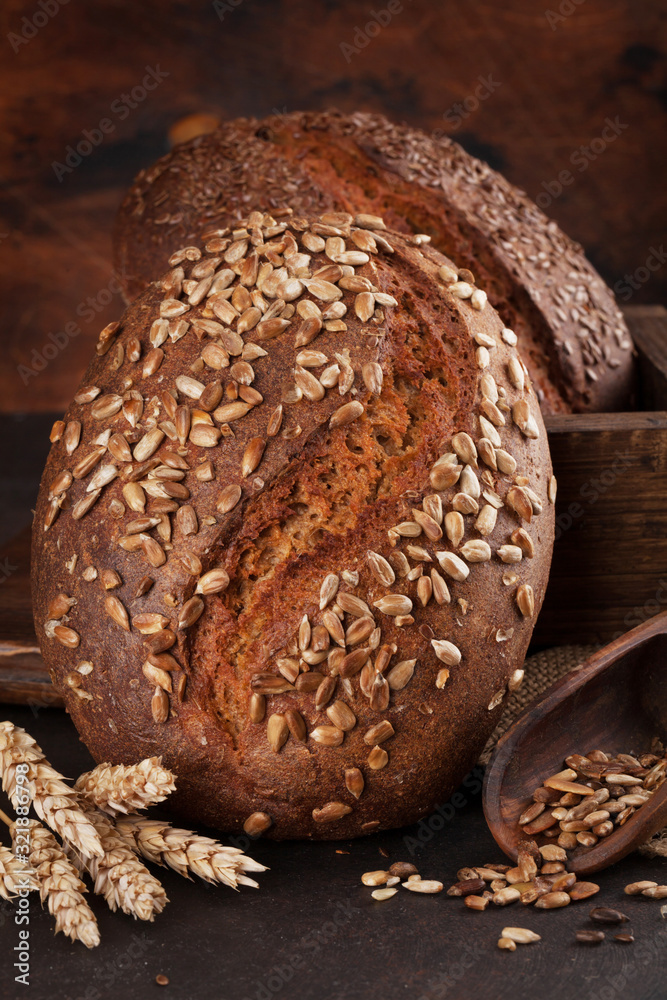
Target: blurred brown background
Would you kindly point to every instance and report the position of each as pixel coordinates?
(527, 87)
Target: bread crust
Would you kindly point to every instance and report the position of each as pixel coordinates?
(317, 503)
(574, 338)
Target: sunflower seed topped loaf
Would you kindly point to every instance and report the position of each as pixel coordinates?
(296, 526)
(574, 339)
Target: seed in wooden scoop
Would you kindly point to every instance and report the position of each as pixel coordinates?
(634, 888)
(385, 893)
(552, 901)
(543, 822)
(424, 885)
(531, 813)
(582, 890)
(506, 944)
(590, 937)
(552, 853)
(605, 915)
(520, 935)
(587, 839)
(552, 868)
(566, 785)
(375, 878)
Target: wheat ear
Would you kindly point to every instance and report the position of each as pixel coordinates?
(124, 788)
(186, 852)
(59, 884)
(54, 802)
(118, 875)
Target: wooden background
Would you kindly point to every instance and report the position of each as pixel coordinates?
(554, 85)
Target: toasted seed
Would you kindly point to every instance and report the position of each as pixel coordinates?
(520, 935)
(531, 813)
(606, 915)
(582, 890)
(160, 705)
(446, 652)
(353, 605)
(655, 892)
(624, 938)
(476, 550)
(525, 600)
(466, 886)
(229, 498)
(331, 812)
(634, 888)
(552, 901)
(328, 736)
(277, 731)
(476, 902)
(452, 565)
(354, 781)
(296, 724)
(257, 823)
(589, 937)
(66, 636)
(394, 604)
(380, 568)
(378, 733)
(190, 612)
(329, 589)
(427, 886)
(252, 456)
(115, 608)
(505, 943)
(324, 692)
(375, 878)
(550, 852)
(378, 758)
(385, 893)
(342, 716)
(346, 414)
(400, 674)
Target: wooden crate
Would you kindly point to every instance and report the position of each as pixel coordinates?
(609, 570)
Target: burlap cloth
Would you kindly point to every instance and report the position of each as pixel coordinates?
(542, 670)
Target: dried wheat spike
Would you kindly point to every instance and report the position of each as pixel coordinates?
(14, 875)
(54, 802)
(118, 875)
(59, 884)
(186, 852)
(127, 788)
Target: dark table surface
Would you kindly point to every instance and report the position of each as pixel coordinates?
(313, 932)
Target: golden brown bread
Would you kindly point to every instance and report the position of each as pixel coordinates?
(295, 528)
(574, 339)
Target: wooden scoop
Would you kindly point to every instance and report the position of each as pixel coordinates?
(616, 701)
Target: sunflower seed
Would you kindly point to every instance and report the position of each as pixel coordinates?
(525, 600)
(520, 935)
(331, 812)
(394, 604)
(329, 589)
(446, 652)
(454, 527)
(346, 414)
(379, 733)
(66, 636)
(277, 731)
(452, 565)
(190, 612)
(328, 736)
(342, 716)
(353, 605)
(476, 550)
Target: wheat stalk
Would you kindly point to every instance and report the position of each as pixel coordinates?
(118, 875)
(126, 788)
(186, 852)
(59, 884)
(14, 875)
(54, 802)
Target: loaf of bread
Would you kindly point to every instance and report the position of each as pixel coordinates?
(574, 339)
(295, 528)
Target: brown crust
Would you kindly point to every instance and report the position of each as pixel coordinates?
(574, 338)
(316, 504)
